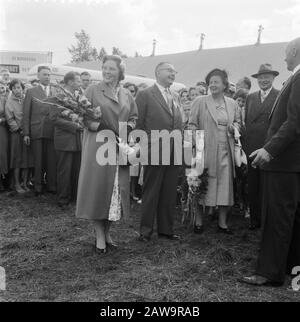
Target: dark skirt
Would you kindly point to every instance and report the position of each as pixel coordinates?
(3, 150)
(20, 154)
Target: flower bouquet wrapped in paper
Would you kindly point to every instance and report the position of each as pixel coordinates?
(73, 107)
(196, 183)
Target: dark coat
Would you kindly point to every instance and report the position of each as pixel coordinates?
(36, 121)
(67, 136)
(154, 114)
(257, 120)
(283, 137)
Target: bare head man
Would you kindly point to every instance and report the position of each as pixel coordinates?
(165, 74)
(44, 73)
(72, 81)
(292, 53)
(85, 79)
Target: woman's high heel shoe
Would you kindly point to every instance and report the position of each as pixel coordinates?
(198, 229)
(226, 231)
(100, 251)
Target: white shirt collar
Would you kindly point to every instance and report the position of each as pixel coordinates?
(267, 91)
(296, 69)
(161, 88)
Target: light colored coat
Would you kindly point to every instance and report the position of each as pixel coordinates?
(203, 116)
(96, 181)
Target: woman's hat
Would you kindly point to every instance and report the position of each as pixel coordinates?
(266, 69)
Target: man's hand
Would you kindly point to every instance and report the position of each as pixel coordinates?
(27, 140)
(260, 157)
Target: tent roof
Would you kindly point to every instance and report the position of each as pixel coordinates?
(193, 66)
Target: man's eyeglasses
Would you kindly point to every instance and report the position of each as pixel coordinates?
(170, 70)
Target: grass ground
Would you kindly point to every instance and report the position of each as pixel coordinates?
(48, 256)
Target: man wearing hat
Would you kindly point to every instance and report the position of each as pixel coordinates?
(257, 112)
(279, 158)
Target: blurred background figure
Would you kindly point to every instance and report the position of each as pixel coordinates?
(5, 76)
(185, 104)
(4, 90)
(201, 88)
(35, 82)
(240, 97)
(244, 83)
(85, 78)
(21, 159)
(192, 93)
(230, 91)
(133, 89)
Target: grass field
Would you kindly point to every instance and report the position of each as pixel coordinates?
(48, 256)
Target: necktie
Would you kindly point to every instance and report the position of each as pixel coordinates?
(263, 96)
(46, 90)
(169, 99)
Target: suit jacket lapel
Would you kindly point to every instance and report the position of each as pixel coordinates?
(160, 99)
(263, 106)
(41, 92)
(256, 107)
(212, 108)
(284, 88)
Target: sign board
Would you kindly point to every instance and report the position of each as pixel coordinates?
(13, 69)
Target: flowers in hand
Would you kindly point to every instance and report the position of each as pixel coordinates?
(97, 112)
(84, 101)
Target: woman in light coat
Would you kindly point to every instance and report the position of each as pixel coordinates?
(103, 189)
(217, 115)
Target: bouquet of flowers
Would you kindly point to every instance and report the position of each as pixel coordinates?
(195, 185)
(75, 108)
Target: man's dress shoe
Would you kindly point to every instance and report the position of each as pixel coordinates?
(170, 237)
(257, 280)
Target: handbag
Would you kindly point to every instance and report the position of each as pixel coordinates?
(239, 154)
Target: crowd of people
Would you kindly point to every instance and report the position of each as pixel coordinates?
(41, 151)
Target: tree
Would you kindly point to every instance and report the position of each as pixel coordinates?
(83, 51)
(102, 53)
(136, 54)
(117, 51)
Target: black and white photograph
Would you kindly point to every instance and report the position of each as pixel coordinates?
(149, 153)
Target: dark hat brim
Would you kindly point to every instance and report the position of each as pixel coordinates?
(273, 72)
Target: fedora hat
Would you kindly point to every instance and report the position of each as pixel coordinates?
(266, 69)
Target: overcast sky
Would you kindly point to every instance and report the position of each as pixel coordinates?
(131, 25)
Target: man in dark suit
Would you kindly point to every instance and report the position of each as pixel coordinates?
(257, 112)
(280, 160)
(67, 144)
(38, 132)
(159, 109)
